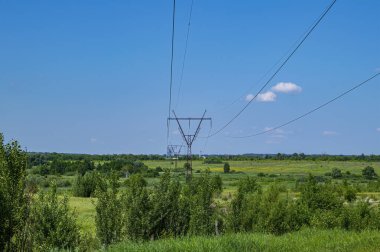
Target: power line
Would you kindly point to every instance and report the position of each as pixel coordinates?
(278, 69)
(274, 65)
(311, 111)
(185, 52)
(171, 71)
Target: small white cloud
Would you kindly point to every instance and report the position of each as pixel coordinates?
(93, 140)
(267, 97)
(249, 97)
(287, 87)
(378, 129)
(329, 133)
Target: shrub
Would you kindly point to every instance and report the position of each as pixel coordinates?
(226, 167)
(53, 224)
(369, 173)
(336, 173)
(136, 206)
(85, 185)
(108, 219)
(166, 218)
(202, 210)
(320, 196)
(159, 169)
(13, 201)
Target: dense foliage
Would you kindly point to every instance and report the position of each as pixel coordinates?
(168, 210)
(13, 200)
(30, 223)
(53, 224)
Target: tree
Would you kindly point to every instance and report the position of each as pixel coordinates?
(108, 219)
(86, 184)
(226, 167)
(136, 207)
(369, 173)
(13, 201)
(166, 219)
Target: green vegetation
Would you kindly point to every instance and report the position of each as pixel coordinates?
(305, 240)
(52, 224)
(132, 200)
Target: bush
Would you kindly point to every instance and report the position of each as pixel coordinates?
(53, 224)
(136, 206)
(336, 173)
(226, 168)
(108, 219)
(320, 196)
(369, 173)
(159, 169)
(14, 203)
(85, 185)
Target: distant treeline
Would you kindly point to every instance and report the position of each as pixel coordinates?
(40, 158)
(36, 158)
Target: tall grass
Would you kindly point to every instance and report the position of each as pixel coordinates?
(304, 240)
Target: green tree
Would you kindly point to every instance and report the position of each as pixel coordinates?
(13, 201)
(237, 218)
(369, 173)
(320, 196)
(108, 218)
(85, 185)
(136, 206)
(226, 167)
(53, 224)
(166, 219)
(202, 207)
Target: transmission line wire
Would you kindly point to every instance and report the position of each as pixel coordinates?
(171, 72)
(185, 52)
(273, 66)
(311, 111)
(278, 69)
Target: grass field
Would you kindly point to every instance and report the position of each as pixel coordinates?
(284, 173)
(85, 210)
(274, 167)
(305, 240)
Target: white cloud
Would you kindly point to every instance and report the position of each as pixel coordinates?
(249, 97)
(329, 133)
(93, 140)
(378, 129)
(286, 87)
(267, 97)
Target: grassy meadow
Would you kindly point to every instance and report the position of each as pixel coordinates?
(304, 240)
(282, 172)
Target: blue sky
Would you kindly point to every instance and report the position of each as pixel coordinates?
(93, 76)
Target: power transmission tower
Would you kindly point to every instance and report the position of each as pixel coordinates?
(189, 138)
(173, 152)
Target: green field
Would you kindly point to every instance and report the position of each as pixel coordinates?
(305, 240)
(284, 173)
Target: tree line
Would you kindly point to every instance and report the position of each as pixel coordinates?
(36, 158)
